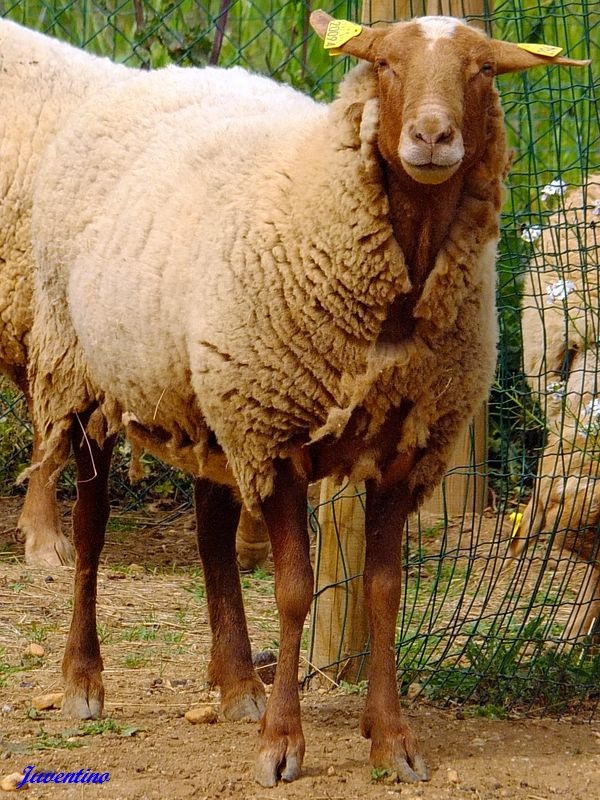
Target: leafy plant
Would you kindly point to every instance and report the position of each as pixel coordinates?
(378, 774)
(501, 669)
(134, 661)
(71, 738)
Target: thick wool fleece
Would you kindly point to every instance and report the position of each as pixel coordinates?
(560, 309)
(42, 82)
(561, 333)
(216, 276)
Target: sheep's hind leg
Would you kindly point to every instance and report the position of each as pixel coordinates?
(39, 522)
(586, 609)
(393, 746)
(252, 542)
(217, 515)
(82, 663)
(282, 745)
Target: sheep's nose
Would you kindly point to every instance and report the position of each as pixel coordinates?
(431, 129)
(433, 137)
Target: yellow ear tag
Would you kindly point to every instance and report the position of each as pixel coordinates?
(516, 518)
(339, 31)
(548, 50)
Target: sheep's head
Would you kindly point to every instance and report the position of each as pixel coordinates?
(435, 77)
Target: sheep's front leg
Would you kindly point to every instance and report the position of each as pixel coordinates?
(82, 663)
(282, 744)
(217, 515)
(393, 746)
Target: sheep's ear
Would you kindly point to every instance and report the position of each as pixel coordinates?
(514, 58)
(360, 45)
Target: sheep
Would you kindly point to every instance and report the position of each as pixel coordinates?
(561, 330)
(264, 299)
(38, 96)
(41, 90)
(251, 542)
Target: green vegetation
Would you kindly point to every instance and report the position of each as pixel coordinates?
(359, 688)
(500, 669)
(264, 35)
(6, 668)
(258, 581)
(134, 661)
(379, 775)
(71, 738)
(198, 593)
(141, 633)
(15, 435)
(37, 632)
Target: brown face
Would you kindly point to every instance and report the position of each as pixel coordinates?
(435, 86)
(436, 91)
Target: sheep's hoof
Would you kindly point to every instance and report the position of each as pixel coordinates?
(82, 704)
(280, 759)
(247, 701)
(50, 550)
(406, 770)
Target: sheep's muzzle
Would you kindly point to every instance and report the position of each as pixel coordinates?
(431, 147)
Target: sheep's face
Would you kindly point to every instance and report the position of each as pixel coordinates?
(435, 77)
(435, 84)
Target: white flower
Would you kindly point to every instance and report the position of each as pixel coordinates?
(596, 209)
(555, 187)
(591, 412)
(531, 234)
(558, 290)
(557, 389)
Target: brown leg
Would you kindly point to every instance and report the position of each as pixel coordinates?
(586, 611)
(252, 542)
(39, 522)
(282, 745)
(217, 515)
(82, 664)
(393, 745)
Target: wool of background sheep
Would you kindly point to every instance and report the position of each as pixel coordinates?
(552, 328)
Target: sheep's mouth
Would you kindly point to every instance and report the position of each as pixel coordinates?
(431, 173)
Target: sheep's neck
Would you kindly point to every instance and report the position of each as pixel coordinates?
(421, 217)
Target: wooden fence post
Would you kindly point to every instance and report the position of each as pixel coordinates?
(389, 10)
(339, 630)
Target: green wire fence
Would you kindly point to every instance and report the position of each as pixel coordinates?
(476, 624)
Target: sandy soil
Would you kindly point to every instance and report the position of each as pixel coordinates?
(155, 641)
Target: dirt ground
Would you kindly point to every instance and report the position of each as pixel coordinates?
(155, 642)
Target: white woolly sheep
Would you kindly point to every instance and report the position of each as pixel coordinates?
(561, 334)
(267, 298)
(42, 83)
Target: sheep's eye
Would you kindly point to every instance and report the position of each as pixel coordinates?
(382, 64)
(487, 69)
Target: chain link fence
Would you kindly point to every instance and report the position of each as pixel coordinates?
(475, 624)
